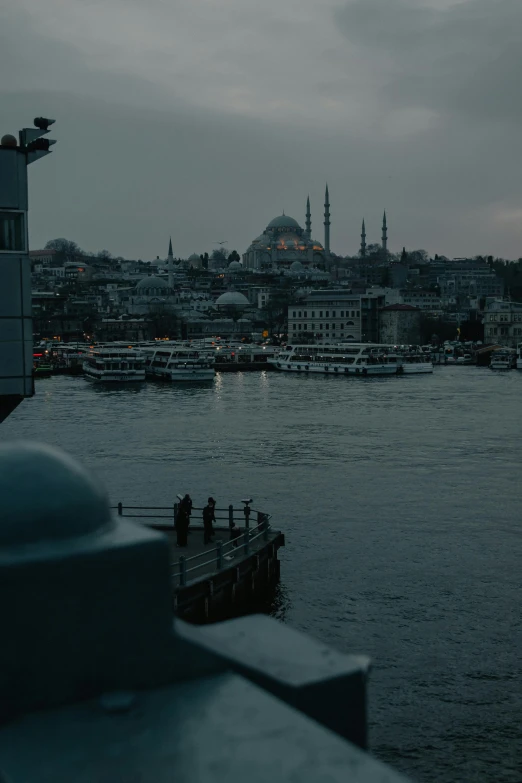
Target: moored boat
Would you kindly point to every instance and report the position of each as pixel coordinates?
(503, 359)
(361, 359)
(178, 362)
(114, 365)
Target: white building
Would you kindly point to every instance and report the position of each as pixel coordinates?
(330, 316)
(503, 323)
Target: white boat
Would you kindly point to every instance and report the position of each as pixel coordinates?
(415, 362)
(114, 365)
(178, 362)
(361, 359)
(519, 357)
(504, 359)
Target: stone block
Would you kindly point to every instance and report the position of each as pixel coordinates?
(208, 730)
(324, 684)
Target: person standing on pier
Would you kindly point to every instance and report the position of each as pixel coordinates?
(183, 520)
(209, 517)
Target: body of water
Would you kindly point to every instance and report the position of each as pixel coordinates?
(401, 503)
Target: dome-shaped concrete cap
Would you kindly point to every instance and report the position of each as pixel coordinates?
(232, 298)
(194, 257)
(46, 496)
(235, 265)
(8, 141)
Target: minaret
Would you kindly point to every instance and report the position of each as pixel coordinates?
(362, 251)
(308, 219)
(170, 265)
(326, 222)
(384, 236)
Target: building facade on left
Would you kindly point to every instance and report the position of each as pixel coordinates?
(16, 333)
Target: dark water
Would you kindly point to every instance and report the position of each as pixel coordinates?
(400, 499)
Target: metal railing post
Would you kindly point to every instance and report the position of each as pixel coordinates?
(176, 505)
(219, 555)
(247, 516)
(182, 571)
(265, 527)
(246, 541)
(120, 509)
(231, 516)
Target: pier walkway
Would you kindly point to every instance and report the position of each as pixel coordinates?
(239, 564)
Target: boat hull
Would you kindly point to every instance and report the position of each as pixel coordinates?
(417, 368)
(337, 369)
(184, 376)
(114, 378)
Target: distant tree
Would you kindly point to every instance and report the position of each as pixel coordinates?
(234, 256)
(219, 256)
(418, 256)
(65, 246)
(104, 255)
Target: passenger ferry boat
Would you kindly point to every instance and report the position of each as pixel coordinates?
(414, 362)
(342, 359)
(504, 359)
(114, 365)
(178, 362)
(519, 357)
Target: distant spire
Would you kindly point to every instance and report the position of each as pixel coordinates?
(363, 241)
(170, 248)
(384, 235)
(327, 221)
(308, 219)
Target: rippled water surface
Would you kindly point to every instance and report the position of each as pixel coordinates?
(401, 503)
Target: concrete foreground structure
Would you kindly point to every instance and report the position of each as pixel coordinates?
(98, 683)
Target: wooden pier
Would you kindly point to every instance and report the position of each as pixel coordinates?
(231, 575)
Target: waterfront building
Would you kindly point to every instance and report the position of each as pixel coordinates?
(332, 316)
(399, 325)
(503, 323)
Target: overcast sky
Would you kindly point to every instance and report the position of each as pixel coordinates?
(206, 118)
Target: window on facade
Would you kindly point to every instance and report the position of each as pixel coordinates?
(305, 314)
(305, 327)
(327, 315)
(299, 314)
(333, 313)
(293, 314)
(12, 232)
(342, 326)
(327, 326)
(321, 314)
(313, 327)
(293, 327)
(342, 313)
(321, 327)
(299, 327)
(357, 314)
(313, 314)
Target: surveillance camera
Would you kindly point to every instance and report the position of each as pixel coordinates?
(43, 123)
(246, 502)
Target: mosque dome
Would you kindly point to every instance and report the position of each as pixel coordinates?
(235, 265)
(233, 299)
(152, 283)
(296, 266)
(283, 221)
(194, 257)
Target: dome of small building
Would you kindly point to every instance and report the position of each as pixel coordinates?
(296, 266)
(151, 283)
(235, 265)
(194, 257)
(232, 298)
(283, 221)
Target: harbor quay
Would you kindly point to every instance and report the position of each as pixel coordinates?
(234, 574)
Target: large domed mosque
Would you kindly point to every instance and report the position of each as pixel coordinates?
(284, 242)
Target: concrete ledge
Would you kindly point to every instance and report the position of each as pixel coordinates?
(328, 686)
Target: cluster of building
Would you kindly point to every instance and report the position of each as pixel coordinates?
(287, 284)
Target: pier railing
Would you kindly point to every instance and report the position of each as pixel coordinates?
(243, 537)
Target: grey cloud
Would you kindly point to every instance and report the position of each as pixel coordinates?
(464, 59)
